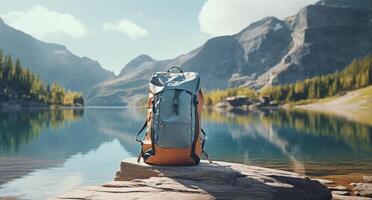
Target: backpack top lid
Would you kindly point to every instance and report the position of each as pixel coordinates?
(188, 81)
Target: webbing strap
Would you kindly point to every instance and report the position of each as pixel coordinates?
(206, 155)
(203, 143)
(175, 101)
(139, 133)
(204, 139)
(197, 121)
(140, 141)
(140, 155)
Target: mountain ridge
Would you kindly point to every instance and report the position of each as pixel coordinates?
(53, 62)
(320, 39)
(366, 4)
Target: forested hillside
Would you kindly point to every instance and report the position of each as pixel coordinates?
(357, 75)
(20, 86)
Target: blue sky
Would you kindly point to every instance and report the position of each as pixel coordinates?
(115, 31)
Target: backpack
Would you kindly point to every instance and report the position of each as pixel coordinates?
(173, 133)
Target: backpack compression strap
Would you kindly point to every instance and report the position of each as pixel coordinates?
(175, 102)
(139, 133)
(140, 141)
(203, 143)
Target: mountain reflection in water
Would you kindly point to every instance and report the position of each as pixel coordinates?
(87, 145)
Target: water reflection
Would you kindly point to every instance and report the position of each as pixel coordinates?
(304, 142)
(18, 127)
(87, 145)
(357, 135)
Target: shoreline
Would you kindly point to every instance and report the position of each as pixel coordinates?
(219, 180)
(6, 106)
(349, 112)
(209, 181)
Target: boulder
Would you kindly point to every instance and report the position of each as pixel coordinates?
(238, 101)
(219, 180)
(265, 100)
(367, 179)
(223, 105)
(363, 189)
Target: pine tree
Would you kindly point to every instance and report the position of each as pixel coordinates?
(358, 74)
(1, 65)
(18, 83)
(18, 70)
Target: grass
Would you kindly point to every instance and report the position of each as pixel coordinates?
(355, 105)
(363, 99)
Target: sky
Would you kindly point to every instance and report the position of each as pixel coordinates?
(115, 31)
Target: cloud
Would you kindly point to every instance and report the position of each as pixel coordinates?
(139, 13)
(45, 24)
(224, 17)
(126, 26)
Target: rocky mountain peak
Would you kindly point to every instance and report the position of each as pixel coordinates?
(143, 58)
(320, 39)
(367, 4)
(137, 61)
(265, 22)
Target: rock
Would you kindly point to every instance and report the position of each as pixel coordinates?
(367, 179)
(340, 192)
(223, 105)
(363, 189)
(238, 101)
(347, 3)
(274, 103)
(265, 100)
(338, 188)
(220, 180)
(343, 197)
(324, 181)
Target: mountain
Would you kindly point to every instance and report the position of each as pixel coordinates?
(52, 62)
(320, 39)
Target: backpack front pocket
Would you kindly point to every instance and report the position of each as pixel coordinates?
(174, 135)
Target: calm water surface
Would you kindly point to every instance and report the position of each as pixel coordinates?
(45, 153)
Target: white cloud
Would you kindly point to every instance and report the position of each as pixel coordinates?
(139, 13)
(126, 26)
(223, 17)
(45, 24)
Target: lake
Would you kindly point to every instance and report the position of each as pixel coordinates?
(44, 153)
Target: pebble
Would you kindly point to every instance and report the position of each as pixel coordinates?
(324, 181)
(339, 188)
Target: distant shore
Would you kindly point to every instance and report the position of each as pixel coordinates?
(34, 105)
(355, 105)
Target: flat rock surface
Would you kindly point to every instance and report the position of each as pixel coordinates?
(220, 180)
